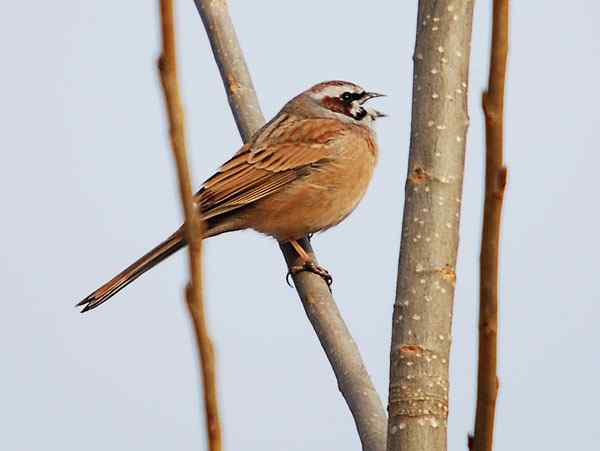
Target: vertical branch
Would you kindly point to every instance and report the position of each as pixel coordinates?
(422, 319)
(167, 65)
(495, 184)
(353, 379)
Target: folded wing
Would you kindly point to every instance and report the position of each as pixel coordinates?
(282, 152)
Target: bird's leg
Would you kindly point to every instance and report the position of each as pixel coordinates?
(304, 257)
(307, 264)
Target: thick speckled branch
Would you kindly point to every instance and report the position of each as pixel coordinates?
(167, 66)
(495, 184)
(422, 319)
(353, 379)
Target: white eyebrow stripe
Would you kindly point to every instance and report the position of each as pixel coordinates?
(334, 91)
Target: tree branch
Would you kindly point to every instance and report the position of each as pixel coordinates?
(422, 319)
(343, 354)
(495, 184)
(167, 66)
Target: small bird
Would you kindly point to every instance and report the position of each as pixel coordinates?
(301, 173)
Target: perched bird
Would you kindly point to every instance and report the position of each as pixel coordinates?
(303, 172)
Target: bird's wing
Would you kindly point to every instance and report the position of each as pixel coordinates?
(280, 153)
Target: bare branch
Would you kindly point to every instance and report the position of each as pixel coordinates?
(232, 66)
(495, 184)
(353, 379)
(167, 65)
(422, 319)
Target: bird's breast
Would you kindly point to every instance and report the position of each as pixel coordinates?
(326, 194)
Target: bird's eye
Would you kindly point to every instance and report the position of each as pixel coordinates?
(346, 97)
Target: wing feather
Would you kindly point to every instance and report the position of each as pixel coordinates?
(279, 154)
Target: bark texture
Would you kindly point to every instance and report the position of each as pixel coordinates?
(353, 379)
(167, 65)
(495, 184)
(232, 66)
(422, 318)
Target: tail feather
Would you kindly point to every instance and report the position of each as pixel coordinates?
(132, 272)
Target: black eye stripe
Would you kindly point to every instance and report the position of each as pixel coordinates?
(352, 96)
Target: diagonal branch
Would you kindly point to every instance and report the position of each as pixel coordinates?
(495, 184)
(167, 65)
(343, 354)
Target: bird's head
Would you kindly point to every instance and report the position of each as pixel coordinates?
(344, 100)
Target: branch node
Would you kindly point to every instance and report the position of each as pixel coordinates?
(419, 175)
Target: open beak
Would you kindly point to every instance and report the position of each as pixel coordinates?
(369, 96)
(372, 112)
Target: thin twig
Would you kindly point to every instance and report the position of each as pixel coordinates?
(167, 66)
(354, 381)
(422, 319)
(495, 184)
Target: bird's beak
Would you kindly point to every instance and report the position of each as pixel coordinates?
(369, 96)
(372, 112)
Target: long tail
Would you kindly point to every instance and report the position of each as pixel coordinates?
(135, 270)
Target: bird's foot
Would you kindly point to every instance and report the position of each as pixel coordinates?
(310, 266)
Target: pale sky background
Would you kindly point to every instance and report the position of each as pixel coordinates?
(87, 185)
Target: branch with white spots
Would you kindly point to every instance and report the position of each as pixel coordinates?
(422, 318)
